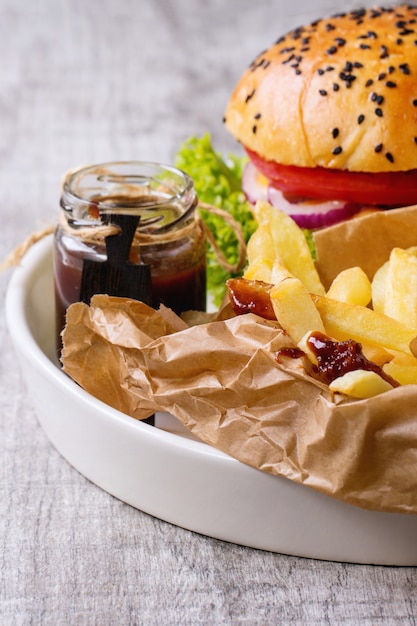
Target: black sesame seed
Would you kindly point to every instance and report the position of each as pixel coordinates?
(369, 82)
(415, 140)
(298, 71)
(361, 119)
(415, 102)
(375, 97)
(399, 41)
(391, 69)
(259, 63)
(384, 52)
(337, 150)
(378, 148)
(330, 27)
(357, 64)
(329, 68)
(335, 133)
(381, 76)
(391, 84)
(250, 95)
(297, 33)
(322, 92)
(254, 129)
(336, 87)
(389, 157)
(404, 67)
(320, 72)
(348, 78)
(378, 112)
(332, 50)
(340, 41)
(257, 116)
(364, 46)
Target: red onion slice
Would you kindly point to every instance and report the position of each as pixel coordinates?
(313, 214)
(254, 185)
(307, 214)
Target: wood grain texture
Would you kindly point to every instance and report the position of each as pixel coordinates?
(88, 81)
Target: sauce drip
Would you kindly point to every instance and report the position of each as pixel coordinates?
(250, 296)
(336, 358)
(290, 353)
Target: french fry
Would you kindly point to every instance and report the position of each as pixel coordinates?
(279, 272)
(289, 242)
(250, 296)
(378, 288)
(304, 345)
(294, 309)
(360, 384)
(401, 287)
(378, 355)
(350, 321)
(351, 285)
(403, 368)
(267, 271)
(261, 245)
(379, 282)
(259, 269)
(263, 211)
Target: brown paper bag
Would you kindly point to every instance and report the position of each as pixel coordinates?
(365, 241)
(223, 382)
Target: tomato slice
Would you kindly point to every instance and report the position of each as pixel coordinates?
(390, 189)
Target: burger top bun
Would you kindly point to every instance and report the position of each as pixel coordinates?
(339, 93)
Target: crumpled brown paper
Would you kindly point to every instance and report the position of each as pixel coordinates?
(365, 241)
(223, 382)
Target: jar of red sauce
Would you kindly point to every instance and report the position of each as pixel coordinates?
(170, 236)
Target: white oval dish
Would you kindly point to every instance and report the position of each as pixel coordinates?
(166, 472)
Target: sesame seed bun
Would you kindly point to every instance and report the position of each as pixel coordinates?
(339, 93)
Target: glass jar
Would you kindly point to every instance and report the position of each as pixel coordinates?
(169, 238)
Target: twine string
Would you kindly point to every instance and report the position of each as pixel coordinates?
(96, 234)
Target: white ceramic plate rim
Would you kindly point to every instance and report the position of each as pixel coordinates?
(176, 478)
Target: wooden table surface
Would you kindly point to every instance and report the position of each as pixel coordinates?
(88, 81)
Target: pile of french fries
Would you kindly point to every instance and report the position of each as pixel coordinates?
(380, 314)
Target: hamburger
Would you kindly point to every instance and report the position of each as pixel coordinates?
(328, 117)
